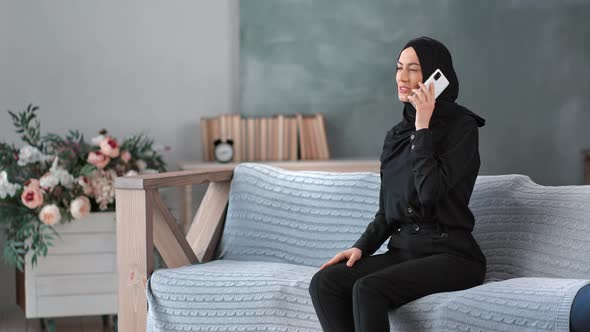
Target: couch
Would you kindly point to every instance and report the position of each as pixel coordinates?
(281, 225)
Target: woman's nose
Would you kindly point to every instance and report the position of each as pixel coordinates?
(402, 76)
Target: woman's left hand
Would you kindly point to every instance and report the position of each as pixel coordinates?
(423, 100)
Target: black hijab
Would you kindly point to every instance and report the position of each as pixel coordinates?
(432, 55)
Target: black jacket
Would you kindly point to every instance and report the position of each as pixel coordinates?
(427, 176)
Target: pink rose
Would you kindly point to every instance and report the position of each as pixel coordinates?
(109, 147)
(32, 196)
(80, 207)
(32, 183)
(126, 156)
(98, 159)
(50, 214)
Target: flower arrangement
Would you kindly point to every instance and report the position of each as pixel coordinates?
(53, 179)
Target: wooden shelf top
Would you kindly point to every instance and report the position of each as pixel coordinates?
(370, 164)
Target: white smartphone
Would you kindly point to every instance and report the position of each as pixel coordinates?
(440, 82)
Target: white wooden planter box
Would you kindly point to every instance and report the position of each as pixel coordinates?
(78, 277)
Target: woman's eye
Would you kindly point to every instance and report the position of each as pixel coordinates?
(398, 68)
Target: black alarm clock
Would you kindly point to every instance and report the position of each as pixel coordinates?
(223, 150)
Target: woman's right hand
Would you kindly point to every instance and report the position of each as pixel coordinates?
(353, 254)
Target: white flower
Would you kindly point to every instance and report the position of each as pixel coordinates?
(50, 214)
(7, 188)
(96, 140)
(141, 165)
(80, 207)
(49, 180)
(65, 178)
(26, 154)
(158, 147)
(30, 154)
(60, 174)
(131, 173)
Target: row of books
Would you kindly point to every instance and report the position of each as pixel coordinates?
(277, 137)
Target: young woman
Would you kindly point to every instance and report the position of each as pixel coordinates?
(429, 165)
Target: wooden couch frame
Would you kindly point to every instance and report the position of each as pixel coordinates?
(144, 220)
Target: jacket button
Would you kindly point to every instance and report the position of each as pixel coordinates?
(416, 227)
(399, 229)
(412, 146)
(445, 235)
(412, 137)
(410, 210)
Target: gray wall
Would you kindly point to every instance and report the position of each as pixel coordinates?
(121, 65)
(522, 65)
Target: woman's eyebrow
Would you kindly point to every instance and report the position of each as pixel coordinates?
(409, 64)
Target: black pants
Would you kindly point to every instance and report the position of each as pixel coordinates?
(418, 263)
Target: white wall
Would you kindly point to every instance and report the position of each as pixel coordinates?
(121, 65)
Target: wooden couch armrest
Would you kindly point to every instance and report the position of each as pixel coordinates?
(143, 220)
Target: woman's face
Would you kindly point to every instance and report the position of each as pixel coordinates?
(408, 73)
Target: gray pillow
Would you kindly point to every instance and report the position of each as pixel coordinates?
(298, 217)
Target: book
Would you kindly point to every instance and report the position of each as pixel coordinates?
(277, 137)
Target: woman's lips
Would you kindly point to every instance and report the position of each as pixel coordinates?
(403, 89)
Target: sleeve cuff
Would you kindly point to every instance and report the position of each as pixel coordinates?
(365, 248)
(421, 142)
(360, 244)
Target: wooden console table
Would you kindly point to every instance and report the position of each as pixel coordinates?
(78, 277)
(186, 192)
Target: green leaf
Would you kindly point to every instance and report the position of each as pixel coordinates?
(27, 124)
(87, 170)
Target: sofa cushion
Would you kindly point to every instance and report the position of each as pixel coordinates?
(517, 304)
(227, 295)
(298, 217)
(530, 230)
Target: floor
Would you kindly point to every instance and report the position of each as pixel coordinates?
(14, 321)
